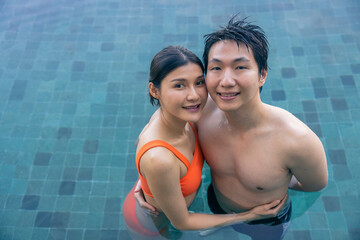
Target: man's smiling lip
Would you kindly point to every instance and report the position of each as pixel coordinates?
(227, 96)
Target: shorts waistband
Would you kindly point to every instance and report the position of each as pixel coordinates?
(282, 217)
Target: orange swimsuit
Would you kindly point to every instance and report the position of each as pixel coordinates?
(191, 181)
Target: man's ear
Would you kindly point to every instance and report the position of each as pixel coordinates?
(154, 91)
(263, 76)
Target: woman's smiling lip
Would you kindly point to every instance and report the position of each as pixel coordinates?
(192, 108)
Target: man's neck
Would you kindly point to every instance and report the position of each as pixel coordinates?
(246, 118)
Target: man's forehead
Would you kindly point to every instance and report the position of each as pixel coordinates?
(219, 49)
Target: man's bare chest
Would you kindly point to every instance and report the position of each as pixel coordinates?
(254, 164)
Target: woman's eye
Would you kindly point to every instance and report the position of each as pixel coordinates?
(200, 82)
(179, 85)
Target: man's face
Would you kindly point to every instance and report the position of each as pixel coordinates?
(232, 77)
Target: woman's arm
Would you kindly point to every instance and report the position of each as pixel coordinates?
(162, 172)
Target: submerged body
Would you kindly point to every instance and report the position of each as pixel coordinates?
(169, 159)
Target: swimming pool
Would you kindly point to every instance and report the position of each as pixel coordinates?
(73, 100)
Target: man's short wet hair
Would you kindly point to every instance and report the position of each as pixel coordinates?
(242, 32)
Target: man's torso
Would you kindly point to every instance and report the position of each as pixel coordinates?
(247, 169)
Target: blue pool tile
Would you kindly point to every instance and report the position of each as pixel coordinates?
(297, 51)
(34, 187)
(278, 95)
(339, 104)
(30, 202)
(93, 220)
(63, 203)
(40, 233)
(13, 202)
(57, 234)
(64, 132)
(78, 66)
(70, 173)
(107, 46)
(355, 68)
(74, 234)
(336, 221)
(42, 158)
(77, 220)
(43, 219)
(91, 146)
(302, 234)
(354, 234)
(352, 220)
(331, 204)
(91, 234)
(337, 156)
(85, 174)
(18, 90)
(341, 172)
(309, 106)
(320, 234)
(80, 204)
(288, 72)
(111, 221)
(60, 220)
(318, 221)
(347, 80)
(47, 203)
(320, 93)
(109, 234)
(311, 118)
(67, 188)
(113, 205)
(52, 65)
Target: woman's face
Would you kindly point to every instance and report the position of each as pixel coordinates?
(183, 93)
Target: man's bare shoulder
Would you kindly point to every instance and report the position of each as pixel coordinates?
(293, 133)
(286, 123)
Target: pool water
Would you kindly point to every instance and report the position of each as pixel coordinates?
(73, 98)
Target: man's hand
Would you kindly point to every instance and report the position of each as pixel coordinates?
(139, 196)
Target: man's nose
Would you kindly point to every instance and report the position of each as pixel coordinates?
(227, 79)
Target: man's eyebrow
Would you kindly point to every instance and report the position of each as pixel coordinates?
(240, 59)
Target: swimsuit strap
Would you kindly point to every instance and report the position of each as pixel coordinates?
(160, 143)
(194, 130)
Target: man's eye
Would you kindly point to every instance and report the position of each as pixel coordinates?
(215, 68)
(240, 67)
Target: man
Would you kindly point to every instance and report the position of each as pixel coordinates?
(253, 149)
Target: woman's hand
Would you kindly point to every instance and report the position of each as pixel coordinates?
(139, 196)
(268, 210)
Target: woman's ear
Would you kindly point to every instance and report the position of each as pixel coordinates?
(263, 76)
(154, 91)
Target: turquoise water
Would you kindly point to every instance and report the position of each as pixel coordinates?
(73, 100)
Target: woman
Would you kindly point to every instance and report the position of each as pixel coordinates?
(169, 158)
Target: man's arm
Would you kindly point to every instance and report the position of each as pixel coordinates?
(308, 164)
